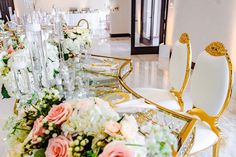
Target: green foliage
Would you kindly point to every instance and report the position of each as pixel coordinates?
(5, 60)
(66, 56)
(40, 153)
(4, 92)
(90, 153)
(55, 73)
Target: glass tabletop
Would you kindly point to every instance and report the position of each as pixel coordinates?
(106, 78)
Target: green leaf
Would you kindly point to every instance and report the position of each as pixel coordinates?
(66, 57)
(120, 119)
(4, 92)
(55, 73)
(90, 153)
(40, 153)
(5, 60)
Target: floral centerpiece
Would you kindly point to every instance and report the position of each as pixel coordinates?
(16, 45)
(6, 77)
(48, 126)
(75, 40)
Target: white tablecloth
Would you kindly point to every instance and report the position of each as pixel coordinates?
(93, 19)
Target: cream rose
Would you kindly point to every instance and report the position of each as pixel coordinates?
(59, 114)
(112, 128)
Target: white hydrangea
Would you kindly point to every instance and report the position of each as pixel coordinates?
(91, 118)
(68, 46)
(159, 140)
(53, 61)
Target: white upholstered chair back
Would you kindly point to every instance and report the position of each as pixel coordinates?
(211, 81)
(180, 63)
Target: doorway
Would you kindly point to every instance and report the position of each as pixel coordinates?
(148, 27)
(6, 9)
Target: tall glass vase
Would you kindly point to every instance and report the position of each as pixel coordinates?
(58, 34)
(38, 55)
(21, 75)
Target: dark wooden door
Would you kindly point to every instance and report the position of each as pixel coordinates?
(4, 4)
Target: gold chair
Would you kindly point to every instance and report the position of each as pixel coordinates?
(85, 21)
(211, 86)
(179, 70)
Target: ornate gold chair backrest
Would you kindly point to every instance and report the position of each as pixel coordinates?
(211, 84)
(180, 66)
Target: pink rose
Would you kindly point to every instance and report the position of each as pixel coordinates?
(10, 50)
(59, 113)
(21, 46)
(58, 147)
(112, 128)
(38, 129)
(117, 149)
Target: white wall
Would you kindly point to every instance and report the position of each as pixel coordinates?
(121, 20)
(205, 21)
(64, 5)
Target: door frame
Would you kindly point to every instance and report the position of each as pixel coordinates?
(4, 4)
(162, 33)
(142, 38)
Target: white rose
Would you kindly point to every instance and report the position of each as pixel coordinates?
(71, 35)
(129, 127)
(77, 45)
(52, 52)
(68, 45)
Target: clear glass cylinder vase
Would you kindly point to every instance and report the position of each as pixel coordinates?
(21, 75)
(38, 55)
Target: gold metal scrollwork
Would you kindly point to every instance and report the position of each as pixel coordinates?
(216, 49)
(184, 38)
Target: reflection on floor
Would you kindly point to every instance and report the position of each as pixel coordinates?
(147, 73)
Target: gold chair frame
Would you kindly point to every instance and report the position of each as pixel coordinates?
(83, 20)
(184, 39)
(216, 49)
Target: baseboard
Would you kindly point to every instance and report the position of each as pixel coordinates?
(120, 35)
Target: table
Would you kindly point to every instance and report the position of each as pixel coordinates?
(111, 86)
(93, 18)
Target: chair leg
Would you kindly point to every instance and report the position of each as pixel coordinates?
(216, 149)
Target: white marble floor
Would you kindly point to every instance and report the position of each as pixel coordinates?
(147, 73)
